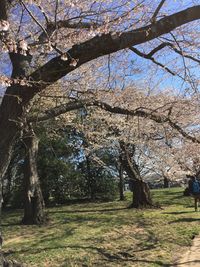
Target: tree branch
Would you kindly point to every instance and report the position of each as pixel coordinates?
(147, 56)
(53, 26)
(102, 45)
(152, 115)
(4, 7)
(34, 19)
(172, 46)
(153, 19)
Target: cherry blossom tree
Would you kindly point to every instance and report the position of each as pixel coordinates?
(45, 41)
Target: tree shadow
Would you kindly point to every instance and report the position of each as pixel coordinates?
(185, 220)
(186, 262)
(119, 257)
(88, 211)
(11, 224)
(177, 212)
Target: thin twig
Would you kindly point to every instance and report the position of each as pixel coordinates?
(33, 17)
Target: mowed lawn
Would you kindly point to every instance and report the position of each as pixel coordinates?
(105, 234)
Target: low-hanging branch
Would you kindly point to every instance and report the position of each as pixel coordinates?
(74, 105)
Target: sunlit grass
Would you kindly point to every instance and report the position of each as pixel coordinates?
(105, 234)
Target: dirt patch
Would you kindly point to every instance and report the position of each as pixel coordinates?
(192, 257)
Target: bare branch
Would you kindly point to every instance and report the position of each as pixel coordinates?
(163, 45)
(33, 17)
(56, 13)
(159, 47)
(153, 19)
(136, 51)
(44, 14)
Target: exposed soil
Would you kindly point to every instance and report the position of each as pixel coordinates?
(192, 257)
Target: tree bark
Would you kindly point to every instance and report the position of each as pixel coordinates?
(166, 182)
(10, 111)
(141, 192)
(11, 174)
(90, 179)
(141, 195)
(7, 187)
(34, 212)
(121, 181)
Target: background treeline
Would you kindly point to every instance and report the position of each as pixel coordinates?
(66, 172)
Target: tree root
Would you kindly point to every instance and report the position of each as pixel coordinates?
(11, 263)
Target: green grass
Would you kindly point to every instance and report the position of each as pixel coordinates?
(105, 234)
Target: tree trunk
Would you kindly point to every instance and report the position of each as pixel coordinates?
(90, 179)
(7, 187)
(34, 204)
(141, 191)
(11, 112)
(141, 195)
(166, 182)
(10, 176)
(121, 183)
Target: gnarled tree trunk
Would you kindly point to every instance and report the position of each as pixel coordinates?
(141, 195)
(141, 191)
(34, 204)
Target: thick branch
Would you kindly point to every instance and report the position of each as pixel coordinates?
(117, 110)
(4, 8)
(182, 132)
(59, 110)
(75, 25)
(52, 27)
(110, 43)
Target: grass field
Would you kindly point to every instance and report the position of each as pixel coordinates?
(105, 234)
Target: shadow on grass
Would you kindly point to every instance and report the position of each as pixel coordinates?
(167, 197)
(178, 212)
(88, 211)
(185, 220)
(11, 224)
(119, 257)
(189, 263)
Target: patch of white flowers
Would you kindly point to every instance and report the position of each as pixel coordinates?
(6, 81)
(4, 25)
